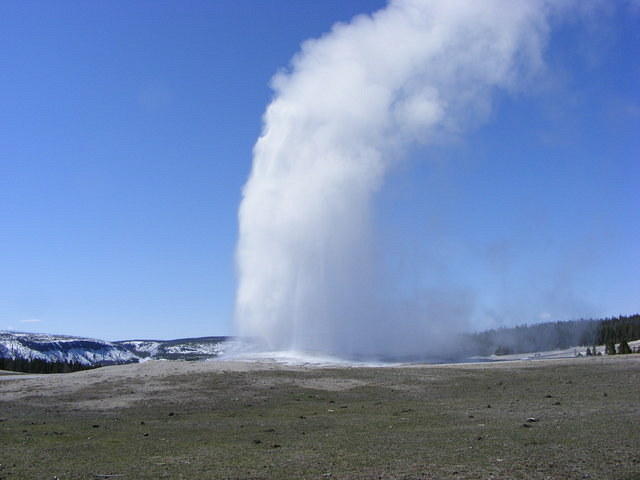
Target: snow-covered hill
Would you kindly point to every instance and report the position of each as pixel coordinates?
(200, 348)
(89, 351)
(60, 348)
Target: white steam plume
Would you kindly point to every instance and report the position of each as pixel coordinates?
(352, 101)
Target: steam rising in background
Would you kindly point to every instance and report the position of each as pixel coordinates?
(311, 275)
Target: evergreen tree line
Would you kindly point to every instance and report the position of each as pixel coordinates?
(619, 329)
(41, 366)
(557, 335)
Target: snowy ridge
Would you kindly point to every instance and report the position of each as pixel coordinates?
(201, 348)
(144, 348)
(60, 348)
(90, 351)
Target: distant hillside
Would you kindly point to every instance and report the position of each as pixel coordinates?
(200, 348)
(553, 336)
(57, 353)
(62, 349)
(30, 350)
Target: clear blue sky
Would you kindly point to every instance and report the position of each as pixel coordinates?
(126, 131)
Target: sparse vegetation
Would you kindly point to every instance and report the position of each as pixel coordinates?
(179, 420)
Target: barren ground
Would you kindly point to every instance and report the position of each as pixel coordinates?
(235, 420)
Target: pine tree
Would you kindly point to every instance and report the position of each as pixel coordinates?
(624, 348)
(610, 348)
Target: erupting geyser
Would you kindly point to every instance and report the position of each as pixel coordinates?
(351, 103)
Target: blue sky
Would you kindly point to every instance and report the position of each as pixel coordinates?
(126, 131)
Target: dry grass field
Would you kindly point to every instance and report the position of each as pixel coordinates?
(551, 419)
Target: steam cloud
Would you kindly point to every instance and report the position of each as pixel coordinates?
(351, 104)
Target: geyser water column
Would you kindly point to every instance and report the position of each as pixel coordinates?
(343, 114)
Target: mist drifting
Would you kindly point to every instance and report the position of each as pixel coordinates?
(351, 103)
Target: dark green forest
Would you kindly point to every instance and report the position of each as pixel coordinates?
(41, 366)
(557, 335)
(618, 329)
